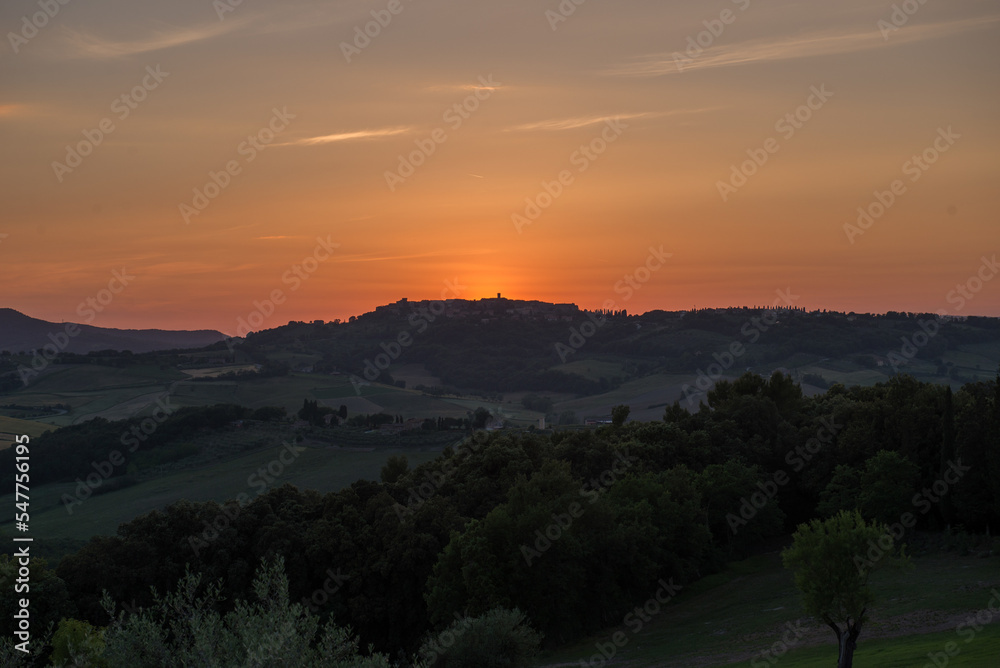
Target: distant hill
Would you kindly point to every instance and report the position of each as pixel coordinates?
(503, 345)
(444, 359)
(21, 332)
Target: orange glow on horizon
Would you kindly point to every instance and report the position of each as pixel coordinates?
(552, 183)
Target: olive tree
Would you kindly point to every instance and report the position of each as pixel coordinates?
(832, 560)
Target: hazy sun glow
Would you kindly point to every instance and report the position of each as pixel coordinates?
(222, 156)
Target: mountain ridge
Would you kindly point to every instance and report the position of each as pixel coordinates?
(22, 332)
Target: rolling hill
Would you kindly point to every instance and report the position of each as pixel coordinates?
(402, 359)
(19, 332)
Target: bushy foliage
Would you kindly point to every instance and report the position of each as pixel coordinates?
(498, 639)
(832, 560)
(841, 493)
(49, 598)
(185, 628)
(827, 558)
(887, 484)
(487, 524)
(533, 402)
(77, 643)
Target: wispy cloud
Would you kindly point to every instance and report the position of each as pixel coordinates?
(348, 136)
(804, 46)
(467, 87)
(88, 45)
(573, 123)
(558, 124)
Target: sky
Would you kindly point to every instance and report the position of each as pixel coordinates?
(189, 164)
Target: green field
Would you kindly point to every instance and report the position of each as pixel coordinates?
(731, 618)
(223, 471)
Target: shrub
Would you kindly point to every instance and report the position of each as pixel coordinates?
(500, 638)
(77, 643)
(184, 628)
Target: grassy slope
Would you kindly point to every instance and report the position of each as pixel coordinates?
(981, 651)
(730, 618)
(321, 468)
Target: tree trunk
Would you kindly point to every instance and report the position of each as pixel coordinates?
(847, 645)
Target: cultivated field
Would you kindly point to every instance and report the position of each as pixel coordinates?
(11, 428)
(100, 391)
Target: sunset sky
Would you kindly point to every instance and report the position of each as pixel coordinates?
(502, 98)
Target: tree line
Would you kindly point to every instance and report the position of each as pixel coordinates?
(571, 528)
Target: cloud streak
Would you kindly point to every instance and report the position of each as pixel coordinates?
(467, 87)
(805, 46)
(560, 124)
(87, 45)
(349, 136)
